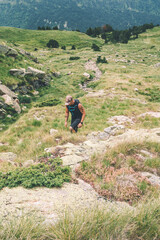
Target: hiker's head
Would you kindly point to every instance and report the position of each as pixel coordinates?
(69, 100)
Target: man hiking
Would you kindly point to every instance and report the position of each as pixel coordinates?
(77, 111)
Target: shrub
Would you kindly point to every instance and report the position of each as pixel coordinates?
(53, 44)
(73, 47)
(63, 47)
(100, 60)
(95, 47)
(48, 174)
(74, 58)
(24, 99)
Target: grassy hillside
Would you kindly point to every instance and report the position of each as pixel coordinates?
(129, 86)
(129, 66)
(30, 39)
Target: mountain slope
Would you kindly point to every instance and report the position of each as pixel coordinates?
(78, 14)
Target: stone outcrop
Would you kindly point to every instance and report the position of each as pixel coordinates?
(36, 72)
(8, 157)
(10, 98)
(8, 51)
(37, 79)
(17, 72)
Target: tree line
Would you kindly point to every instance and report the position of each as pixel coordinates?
(122, 36)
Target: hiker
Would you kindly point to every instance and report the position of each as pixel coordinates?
(77, 111)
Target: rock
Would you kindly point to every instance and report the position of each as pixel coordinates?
(86, 75)
(69, 73)
(155, 180)
(17, 72)
(3, 49)
(71, 159)
(8, 100)
(53, 131)
(12, 52)
(56, 74)
(36, 72)
(24, 108)
(7, 156)
(152, 114)
(120, 120)
(16, 106)
(112, 129)
(8, 51)
(6, 90)
(146, 153)
(157, 65)
(28, 163)
(99, 93)
(35, 93)
(10, 97)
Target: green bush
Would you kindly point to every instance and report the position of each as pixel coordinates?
(63, 47)
(24, 99)
(53, 44)
(95, 47)
(73, 47)
(74, 58)
(100, 60)
(48, 174)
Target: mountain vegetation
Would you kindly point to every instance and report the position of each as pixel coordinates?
(115, 155)
(78, 14)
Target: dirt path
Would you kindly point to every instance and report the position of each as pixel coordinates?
(90, 65)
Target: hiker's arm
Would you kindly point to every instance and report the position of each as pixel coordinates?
(66, 116)
(82, 110)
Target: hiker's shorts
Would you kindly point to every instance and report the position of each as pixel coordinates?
(74, 123)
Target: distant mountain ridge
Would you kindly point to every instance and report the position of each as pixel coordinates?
(78, 14)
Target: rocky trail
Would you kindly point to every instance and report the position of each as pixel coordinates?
(52, 203)
(91, 65)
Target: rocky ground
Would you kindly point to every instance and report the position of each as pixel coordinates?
(52, 203)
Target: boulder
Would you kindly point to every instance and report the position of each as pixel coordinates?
(28, 163)
(10, 97)
(157, 65)
(86, 75)
(7, 156)
(56, 74)
(17, 72)
(12, 52)
(53, 131)
(3, 49)
(36, 72)
(6, 90)
(8, 100)
(8, 51)
(16, 106)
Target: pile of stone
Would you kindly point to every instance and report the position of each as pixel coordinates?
(37, 79)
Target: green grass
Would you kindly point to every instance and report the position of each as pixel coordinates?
(33, 38)
(96, 223)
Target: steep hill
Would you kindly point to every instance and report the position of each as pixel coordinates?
(78, 14)
(114, 156)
